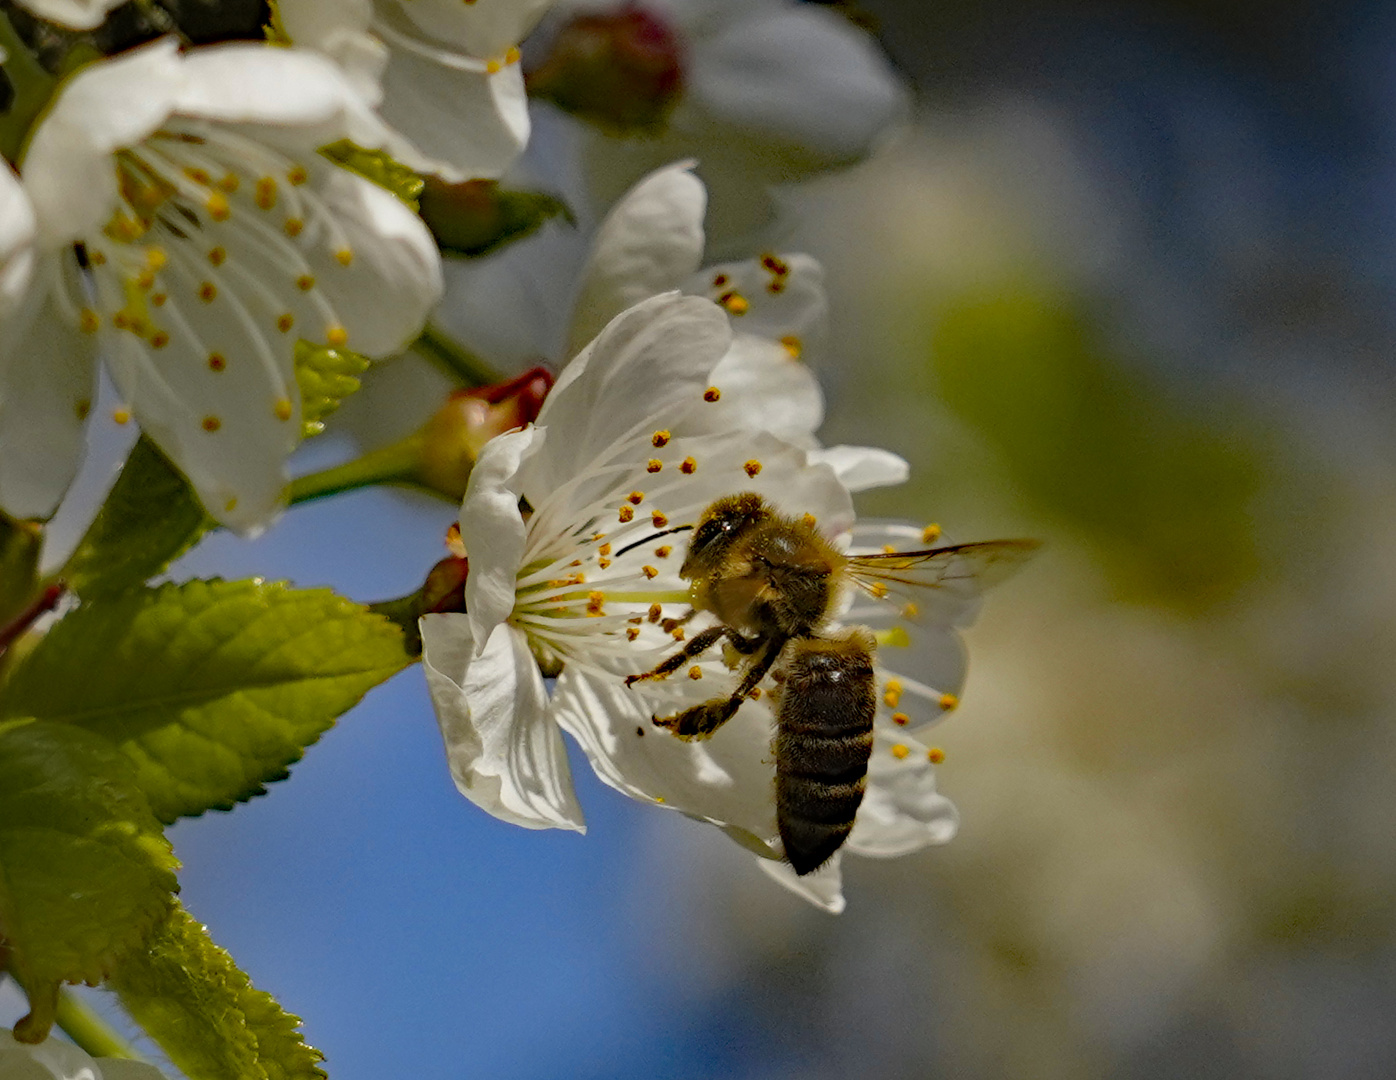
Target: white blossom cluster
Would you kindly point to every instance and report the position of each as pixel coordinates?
(172, 218)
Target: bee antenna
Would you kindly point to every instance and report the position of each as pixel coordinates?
(652, 536)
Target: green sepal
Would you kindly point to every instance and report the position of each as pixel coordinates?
(478, 217)
(85, 870)
(212, 688)
(20, 545)
(378, 166)
(326, 377)
(150, 517)
(204, 1012)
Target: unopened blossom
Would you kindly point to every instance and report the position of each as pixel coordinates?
(443, 73)
(760, 91)
(187, 229)
(580, 587)
(54, 1059)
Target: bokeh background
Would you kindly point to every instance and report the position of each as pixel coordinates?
(1125, 283)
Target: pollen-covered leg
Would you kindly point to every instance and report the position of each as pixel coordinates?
(699, 643)
(700, 721)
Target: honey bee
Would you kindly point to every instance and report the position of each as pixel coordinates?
(773, 582)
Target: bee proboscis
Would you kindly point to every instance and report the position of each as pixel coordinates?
(773, 582)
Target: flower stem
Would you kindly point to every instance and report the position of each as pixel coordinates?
(32, 87)
(455, 359)
(397, 463)
(82, 1024)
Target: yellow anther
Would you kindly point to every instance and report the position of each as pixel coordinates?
(207, 292)
(663, 552)
(657, 798)
(336, 337)
(158, 299)
(687, 466)
(677, 633)
(305, 282)
(654, 465)
(96, 258)
(794, 347)
(775, 285)
(229, 183)
(217, 206)
(720, 281)
(900, 751)
(218, 255)
(658, 520)
(754, 693)
(649, 571)
(211, 424)
(121, 416)
(752, 467)
(264, 194)
(655, 613)
(695, 672)
(283, 409)
(911, 611)
(878, 589)
(893, 693)
(660, 438)
(930, 534)
(595, 600)
(948, 701)
(512, 56)
(88, 322)
(604, 549)
(627, 513)
(809, 521)
(735, 303)
(344, 256)
(632, 632)
(636, 497)
(159, 339)
(297, 175)
(604, 563)
(935, 755)
(900, 719)
(155, 258)
(199, 176)
(217, 361)
(712, 394)
(285, 322)
(293, 226)
(145, 281)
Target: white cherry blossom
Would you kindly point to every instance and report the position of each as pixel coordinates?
(188, 231)
(771, 92)
(444, 73)
(580, 587)
(54, 1059)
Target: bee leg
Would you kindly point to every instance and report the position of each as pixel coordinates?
(670, 625)
(700, 721)
(696, 645)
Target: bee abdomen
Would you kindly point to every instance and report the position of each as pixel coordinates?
(822, 746)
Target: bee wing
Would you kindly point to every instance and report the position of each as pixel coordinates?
(939, 585)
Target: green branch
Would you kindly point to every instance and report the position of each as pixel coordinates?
(455, 359)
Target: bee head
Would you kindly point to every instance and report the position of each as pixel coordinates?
(720, 524)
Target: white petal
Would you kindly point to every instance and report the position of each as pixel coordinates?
(901, 811)
(482, 28)
(17, 229)
(506, 756)
(384, 296)
(860, 468)
(763, 389)
(48, 372)
(111, 104)
(466, 121)
(653, 358)
(493, 530)
(823, 888)
(725, 780)
(74, 14)
(54, 1059)
(339, 29)
(650, 242)
(801, 75)
(779, 297)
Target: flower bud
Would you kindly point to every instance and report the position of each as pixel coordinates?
(477, 217)
(623, 71)
(452, 439)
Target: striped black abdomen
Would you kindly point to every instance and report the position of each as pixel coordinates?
(823, 741)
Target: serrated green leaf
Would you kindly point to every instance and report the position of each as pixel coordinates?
(213, 688)
(326, 377)
(379, 167)
(150, 517)
(85, 871)
(191, 998)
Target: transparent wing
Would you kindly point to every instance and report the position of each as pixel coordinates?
(939, 585)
